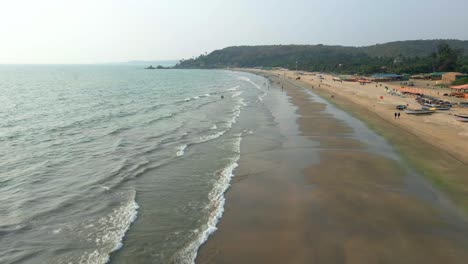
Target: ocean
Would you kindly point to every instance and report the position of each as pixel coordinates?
(116, 164)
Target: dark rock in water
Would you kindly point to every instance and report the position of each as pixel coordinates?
(159, 67)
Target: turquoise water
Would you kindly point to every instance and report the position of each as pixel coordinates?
(116, 163)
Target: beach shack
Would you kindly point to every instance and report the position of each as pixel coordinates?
(386, 77)
(348, 78)
(437, 76)
(460, 91)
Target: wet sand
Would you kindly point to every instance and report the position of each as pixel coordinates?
(319, 194)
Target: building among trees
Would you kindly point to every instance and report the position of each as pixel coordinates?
(450, 77)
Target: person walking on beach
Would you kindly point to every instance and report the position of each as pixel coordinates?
(395, 114)
(398, 115)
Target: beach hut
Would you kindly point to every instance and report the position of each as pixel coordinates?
(386, 77)
(460, 91)
(436, 76)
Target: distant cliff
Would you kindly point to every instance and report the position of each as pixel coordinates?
(399, 56)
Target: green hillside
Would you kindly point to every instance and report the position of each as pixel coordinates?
(412, 48)
(401, 56)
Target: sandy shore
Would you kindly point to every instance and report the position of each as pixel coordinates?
(437, 144)
(323, 194)
(440, 130)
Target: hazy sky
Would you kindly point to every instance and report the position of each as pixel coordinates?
(89, 31)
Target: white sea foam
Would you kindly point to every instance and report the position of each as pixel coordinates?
(242, 103)
(215, 207)
(214, 127)
(210, 137)
(247, 132)
(108, 232)
(236, 94)
(181, 150)
(236, 114)
(260, 97)
(233, 120)
(195, 97)
(216, 195)
(243, 78)
(233, 89)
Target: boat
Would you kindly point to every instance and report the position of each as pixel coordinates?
(435, 107)
(401, 107)
(463, 104)
(419, 112)
(462, 116)
(462, 119)
(443, 107)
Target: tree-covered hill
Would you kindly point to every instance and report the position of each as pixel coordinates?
(413, 48)
(401, 56)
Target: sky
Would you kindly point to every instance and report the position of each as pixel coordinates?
(103, 31)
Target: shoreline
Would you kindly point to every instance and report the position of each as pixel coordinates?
(311, 198)
(444, 164)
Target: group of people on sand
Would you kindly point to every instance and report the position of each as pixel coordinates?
(397, 115)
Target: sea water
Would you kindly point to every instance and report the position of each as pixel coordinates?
(117, 164)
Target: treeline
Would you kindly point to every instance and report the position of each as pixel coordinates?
(395, 57)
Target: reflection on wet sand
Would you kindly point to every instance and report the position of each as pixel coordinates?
(330, 201)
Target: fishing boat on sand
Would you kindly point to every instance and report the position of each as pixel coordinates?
(435, 107)
(401, 107)
(461, 118)
(420, 112)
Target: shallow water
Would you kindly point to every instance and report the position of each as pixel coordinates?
(116, 163)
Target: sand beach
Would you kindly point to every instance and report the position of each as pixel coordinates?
(328, 189)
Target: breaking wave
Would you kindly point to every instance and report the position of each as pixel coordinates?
(215, 207)
(181, 150)
(107, 232)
